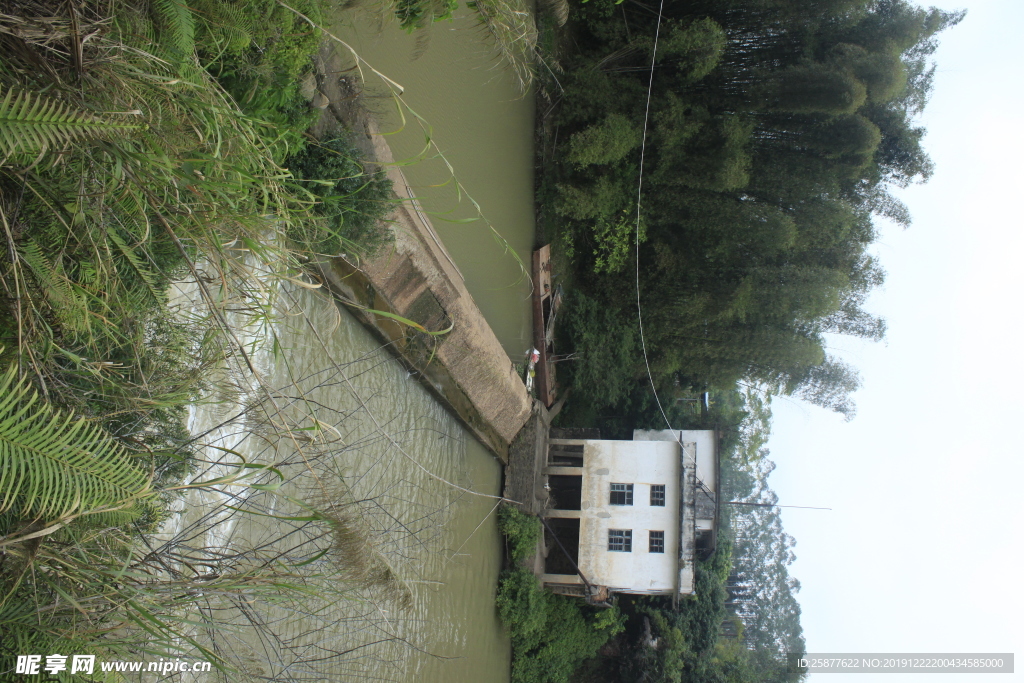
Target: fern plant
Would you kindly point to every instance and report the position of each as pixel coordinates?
(177, 27)
(67, 301)
(32, 123)
(54, 467)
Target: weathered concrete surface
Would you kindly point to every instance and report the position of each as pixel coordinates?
(524, 478)
(466, 367)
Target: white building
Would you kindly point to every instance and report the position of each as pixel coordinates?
(630, 516)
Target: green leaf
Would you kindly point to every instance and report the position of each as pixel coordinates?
(53, 465)
(32, 123)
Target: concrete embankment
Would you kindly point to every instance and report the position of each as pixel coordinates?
(415, 278)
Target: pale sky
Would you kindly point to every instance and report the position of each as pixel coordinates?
(923, 550)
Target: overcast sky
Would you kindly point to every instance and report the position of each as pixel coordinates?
(923, 550)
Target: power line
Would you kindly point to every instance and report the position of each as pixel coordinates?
(639, 186)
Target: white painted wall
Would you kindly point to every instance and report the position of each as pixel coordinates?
(641, 463)
(705, 440)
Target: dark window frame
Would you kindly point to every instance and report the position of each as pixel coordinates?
(659, 499)
(621, 496)
(620, 540)
(656, 541)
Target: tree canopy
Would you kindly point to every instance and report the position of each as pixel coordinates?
(777, 131)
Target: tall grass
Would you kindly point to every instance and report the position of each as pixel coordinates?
(97, 225)
(511, 25)
(126, 166)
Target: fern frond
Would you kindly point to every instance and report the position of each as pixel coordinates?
(53, 466)
(177, 26)
(31, 123)
(69, 305)
(140, 268)
(227, 25)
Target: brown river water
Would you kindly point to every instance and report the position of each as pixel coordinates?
(347, 425)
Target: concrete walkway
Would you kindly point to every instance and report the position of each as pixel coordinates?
(524, 475)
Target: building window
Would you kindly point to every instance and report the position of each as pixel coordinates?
(657, 542)
(622, 494)
(620, 540)
(658, 495)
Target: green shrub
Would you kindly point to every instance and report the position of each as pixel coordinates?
(607, 342)
(605, 197)
(615, 238)
(521, 530)
(259, 51)
(551, 634)
(523, 607)
(573, 633)
(352, 201)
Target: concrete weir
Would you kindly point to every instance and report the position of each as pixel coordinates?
(466, 367)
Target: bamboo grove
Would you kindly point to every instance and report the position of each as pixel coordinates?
(777, 132)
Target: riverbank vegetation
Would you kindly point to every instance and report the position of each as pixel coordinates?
(551, 634)
(160, 196)
(143, 146)
(771, 137)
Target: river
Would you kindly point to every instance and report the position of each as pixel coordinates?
(483, 125)
(349, 430)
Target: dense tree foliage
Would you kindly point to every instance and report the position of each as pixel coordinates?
(777, 129)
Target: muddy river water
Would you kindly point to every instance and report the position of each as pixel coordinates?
(353, 432)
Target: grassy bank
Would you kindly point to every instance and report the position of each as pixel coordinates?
(143, 145)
